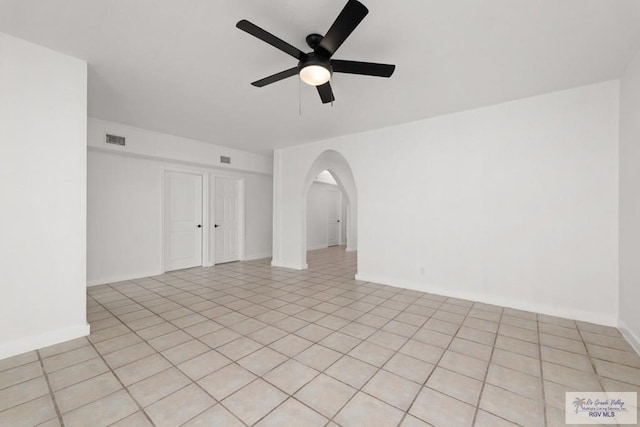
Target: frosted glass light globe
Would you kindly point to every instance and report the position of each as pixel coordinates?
(315, 75)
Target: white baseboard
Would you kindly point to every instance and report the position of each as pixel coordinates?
(351, 249)
(123, 278)
(116, 279)
(257, 256)
(316, 247)
(558, 311)
(291, 266)
(629, 335)
(23, 345)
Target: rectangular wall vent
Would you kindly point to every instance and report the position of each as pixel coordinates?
(225, 159)
(116, 140)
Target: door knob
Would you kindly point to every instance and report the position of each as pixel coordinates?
(199, 225)
(216, 226)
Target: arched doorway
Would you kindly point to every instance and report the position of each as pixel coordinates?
(338, 168)
(326, 213)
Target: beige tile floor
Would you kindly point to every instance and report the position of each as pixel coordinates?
(246, 343)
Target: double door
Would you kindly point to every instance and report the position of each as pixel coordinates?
(184, 227)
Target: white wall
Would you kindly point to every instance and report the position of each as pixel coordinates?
(125, 198)
(318, 199)
(43, 113)
(514, 204)
(630, 203)
(326, 177)
(160, 146)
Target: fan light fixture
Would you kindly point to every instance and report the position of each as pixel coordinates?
(316, 67)
(315, 75)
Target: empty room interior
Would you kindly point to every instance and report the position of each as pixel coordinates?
(337, 213)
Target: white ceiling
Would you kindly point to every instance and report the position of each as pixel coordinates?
(181, 67)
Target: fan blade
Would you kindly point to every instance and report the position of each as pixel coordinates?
(269, 38)
(276, 77)
(366, 68)
(326, 94)
(352, 14)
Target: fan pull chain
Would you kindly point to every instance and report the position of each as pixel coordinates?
(332, 97)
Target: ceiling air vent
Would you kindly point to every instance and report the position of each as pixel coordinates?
(225, 159)
(115, 140)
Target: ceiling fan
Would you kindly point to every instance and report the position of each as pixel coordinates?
(316, 67)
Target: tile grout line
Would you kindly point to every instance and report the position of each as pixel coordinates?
(484, 381)
(53, 396)
(591, 360)
(545, 416)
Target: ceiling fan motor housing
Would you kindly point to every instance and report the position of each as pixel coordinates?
(313, 40)
(314, 59)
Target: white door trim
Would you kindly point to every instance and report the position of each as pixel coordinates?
(337, 194)
(206, 229)
(241, 209)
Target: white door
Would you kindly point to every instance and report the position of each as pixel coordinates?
(227, 220)
(183, 220)
(333, 218)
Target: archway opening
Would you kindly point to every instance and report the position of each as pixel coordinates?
(326, 213)
(330, 215)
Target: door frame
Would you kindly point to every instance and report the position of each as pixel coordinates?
(206, 229)
(339, 196)
(241, 213)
